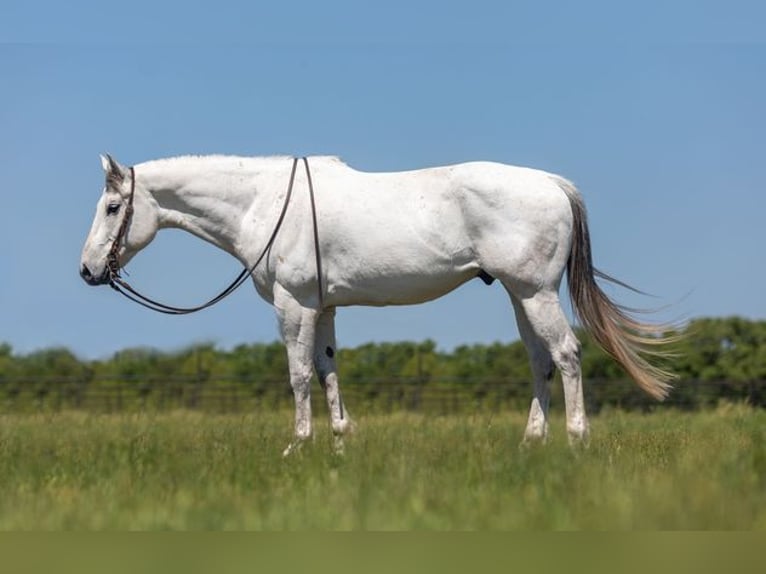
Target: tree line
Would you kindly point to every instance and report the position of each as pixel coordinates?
(730, 352)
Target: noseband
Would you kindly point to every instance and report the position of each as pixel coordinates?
(124, 288)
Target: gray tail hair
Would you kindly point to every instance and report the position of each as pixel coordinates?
(626, 339)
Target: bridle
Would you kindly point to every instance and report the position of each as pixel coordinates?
(112, 258)
(124, 288)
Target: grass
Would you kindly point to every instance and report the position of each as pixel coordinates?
(185, 470)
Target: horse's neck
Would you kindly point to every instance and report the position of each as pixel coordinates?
(206, 196)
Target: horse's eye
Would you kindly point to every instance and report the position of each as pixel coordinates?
(112, 208)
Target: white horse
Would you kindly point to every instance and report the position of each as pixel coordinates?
(383, 239)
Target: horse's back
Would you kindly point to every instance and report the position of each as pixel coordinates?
(453, 201)
(485, 180)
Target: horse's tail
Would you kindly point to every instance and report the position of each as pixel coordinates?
(623, 337)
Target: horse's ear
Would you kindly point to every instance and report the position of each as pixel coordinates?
(114, 171)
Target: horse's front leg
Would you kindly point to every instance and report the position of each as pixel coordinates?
(298, 327)
(324, 363)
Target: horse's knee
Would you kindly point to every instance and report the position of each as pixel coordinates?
(300, 380)
(301, 385)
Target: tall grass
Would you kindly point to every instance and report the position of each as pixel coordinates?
(185, 470)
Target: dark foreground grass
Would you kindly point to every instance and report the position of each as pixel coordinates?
(186, 470)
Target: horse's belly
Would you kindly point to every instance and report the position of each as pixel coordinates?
(399, 288)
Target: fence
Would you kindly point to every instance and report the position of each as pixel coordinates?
(378, 395)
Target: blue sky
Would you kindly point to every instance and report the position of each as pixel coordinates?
(657, 114)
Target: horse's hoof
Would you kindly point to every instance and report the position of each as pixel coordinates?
(534, 435)
(579, 440)
(292, 448)
(529, 442)
(338, 445)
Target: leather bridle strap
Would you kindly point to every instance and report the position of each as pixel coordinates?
(112, 258)
(124, 288)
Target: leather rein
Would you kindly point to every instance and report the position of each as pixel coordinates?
(124, 288)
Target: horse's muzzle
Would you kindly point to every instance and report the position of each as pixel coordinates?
(91, 279)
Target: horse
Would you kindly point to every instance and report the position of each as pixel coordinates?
(329, 236)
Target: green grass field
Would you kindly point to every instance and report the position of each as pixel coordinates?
(184, 470)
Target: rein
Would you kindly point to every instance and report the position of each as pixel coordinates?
(124, 288)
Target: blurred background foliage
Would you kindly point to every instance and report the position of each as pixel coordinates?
(715, 359)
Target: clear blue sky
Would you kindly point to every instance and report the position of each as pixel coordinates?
(656, 113)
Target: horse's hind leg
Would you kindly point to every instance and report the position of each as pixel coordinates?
(542, 371)
(547, 320)
(324, 363)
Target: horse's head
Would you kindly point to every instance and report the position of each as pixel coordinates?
(126, 221)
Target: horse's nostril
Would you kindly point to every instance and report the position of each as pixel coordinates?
(85, 272)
